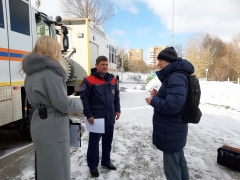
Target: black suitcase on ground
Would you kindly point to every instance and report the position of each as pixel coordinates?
(229, 157)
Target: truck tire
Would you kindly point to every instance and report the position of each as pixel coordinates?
(67, 64)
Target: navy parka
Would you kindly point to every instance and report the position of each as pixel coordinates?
(169, 131)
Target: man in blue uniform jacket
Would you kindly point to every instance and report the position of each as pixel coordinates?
(169, 130)
(100, 97)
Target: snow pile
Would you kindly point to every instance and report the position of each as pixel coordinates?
(225, 94)
(132, 77)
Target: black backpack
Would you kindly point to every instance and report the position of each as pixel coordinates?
(192, 113)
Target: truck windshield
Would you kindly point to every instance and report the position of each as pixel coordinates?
(43, 27)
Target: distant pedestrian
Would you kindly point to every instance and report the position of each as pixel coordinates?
(100, 97)
(169, 130)
(47, 92)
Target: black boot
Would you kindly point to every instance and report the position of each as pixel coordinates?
(109, 166)
(94, 173)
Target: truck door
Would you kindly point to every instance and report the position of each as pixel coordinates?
(20, 36)
(16, 41)
(4, 60)
(94, 53)
(20, 44)
(5, 81)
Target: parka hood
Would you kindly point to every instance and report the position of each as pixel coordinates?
(33, 63)
(179, 65)
(93, 70)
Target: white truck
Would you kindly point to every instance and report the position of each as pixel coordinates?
(20, 26)
(86, 42)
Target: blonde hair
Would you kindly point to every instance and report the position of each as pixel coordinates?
(47, 46)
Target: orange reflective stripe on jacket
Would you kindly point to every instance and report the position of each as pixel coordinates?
(96, 81)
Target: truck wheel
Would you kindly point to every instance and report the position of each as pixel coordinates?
(67, 64)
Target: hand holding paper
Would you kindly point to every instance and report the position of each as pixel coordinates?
(153, 92)
(91, 120)
(97, 127)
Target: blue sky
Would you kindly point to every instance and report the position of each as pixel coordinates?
(138, 28)
(146, 23)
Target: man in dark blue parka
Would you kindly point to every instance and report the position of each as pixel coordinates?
(169, 130)
(100, 97)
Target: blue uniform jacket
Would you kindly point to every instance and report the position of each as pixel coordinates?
(169, 131)
(100, 97)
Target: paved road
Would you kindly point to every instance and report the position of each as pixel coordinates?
(12, 165)
(10, 141)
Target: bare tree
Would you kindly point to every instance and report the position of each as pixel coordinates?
(195, 53)
(139, 66)
(234, 55)
(207, 52)
(98, 11)
(220, 58)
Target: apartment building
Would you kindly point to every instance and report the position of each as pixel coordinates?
(153, 53)
(135, 54)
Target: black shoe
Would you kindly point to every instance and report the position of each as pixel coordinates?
(94, 173)
(110, 166)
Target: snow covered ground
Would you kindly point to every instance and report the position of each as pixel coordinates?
(135, 156)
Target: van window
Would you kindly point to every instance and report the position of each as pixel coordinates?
(112, 54)
(19, 17)
(1, 15)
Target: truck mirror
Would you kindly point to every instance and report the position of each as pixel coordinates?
(38, 18)
(64, 30)
(58, 19)
(65, 42)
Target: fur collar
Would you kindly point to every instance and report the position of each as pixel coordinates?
(33, 63)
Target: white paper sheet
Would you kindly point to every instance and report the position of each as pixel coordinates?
(97, 127)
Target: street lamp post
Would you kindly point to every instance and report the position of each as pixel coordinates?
(173, 26)
(206, 74)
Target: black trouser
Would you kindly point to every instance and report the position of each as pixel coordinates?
(93, 147)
